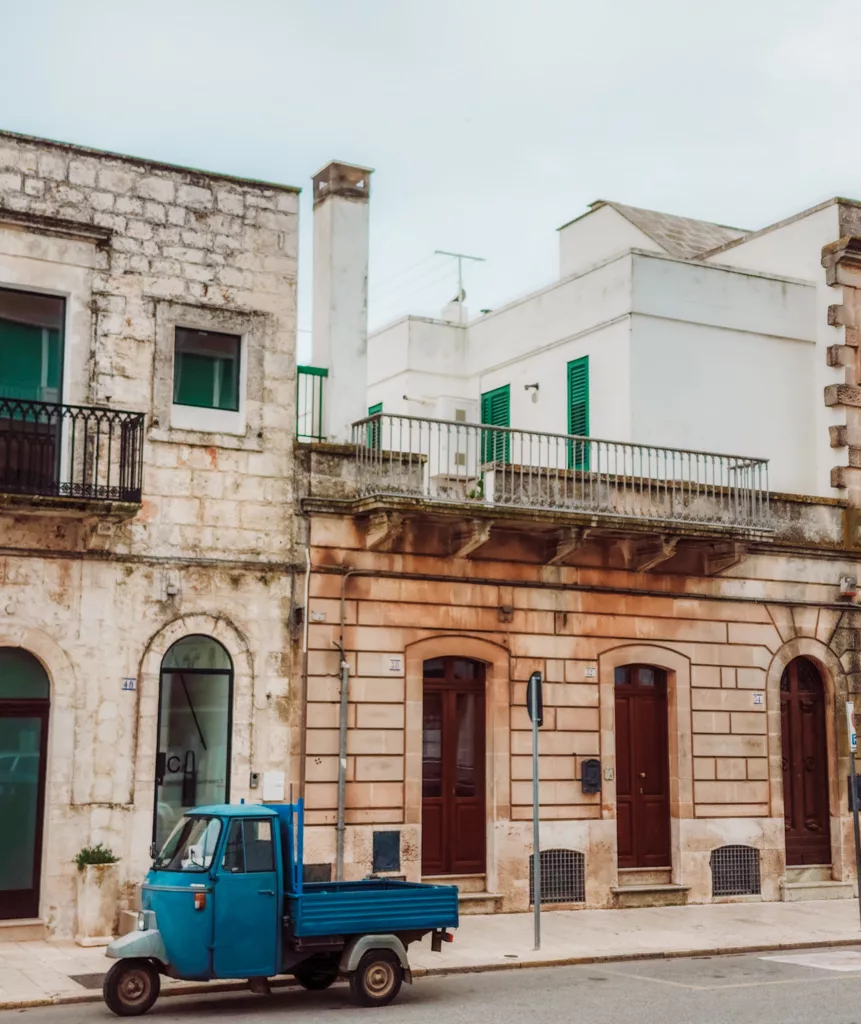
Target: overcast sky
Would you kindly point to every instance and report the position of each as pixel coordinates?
(489, 122)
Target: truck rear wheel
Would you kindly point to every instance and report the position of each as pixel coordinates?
(317, 972)
(131, 987)
(377, 979)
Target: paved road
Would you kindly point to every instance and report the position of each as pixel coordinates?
(711, 990)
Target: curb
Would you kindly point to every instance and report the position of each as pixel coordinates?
(213, 987)
(617, 958)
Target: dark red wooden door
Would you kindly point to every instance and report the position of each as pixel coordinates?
(453, 749)
(642, 768)
(805, 764)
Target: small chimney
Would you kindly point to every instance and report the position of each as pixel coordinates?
(340, 324)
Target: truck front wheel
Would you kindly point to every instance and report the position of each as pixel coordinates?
(377, 979)
(131, 987)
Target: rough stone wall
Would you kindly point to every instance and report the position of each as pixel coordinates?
(723, 642)
(170, 246)
(138, 248)
(94, 623)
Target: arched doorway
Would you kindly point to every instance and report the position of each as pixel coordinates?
(195, 709)
(805, 764)
(24, 706)
(642, 767)
(453, 754)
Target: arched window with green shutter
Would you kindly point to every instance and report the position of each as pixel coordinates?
(578, 412)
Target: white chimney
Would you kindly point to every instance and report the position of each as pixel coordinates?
(340, 324)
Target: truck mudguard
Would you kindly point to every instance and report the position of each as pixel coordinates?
(356, 949)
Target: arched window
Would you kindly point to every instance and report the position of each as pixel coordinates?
(194, 728)
(24, 707)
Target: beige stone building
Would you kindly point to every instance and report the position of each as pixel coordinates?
(704, 668)
(147, 419)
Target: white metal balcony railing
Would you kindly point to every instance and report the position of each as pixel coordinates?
(447, 461)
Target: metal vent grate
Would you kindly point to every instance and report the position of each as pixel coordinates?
(563, 877)
(735, 871)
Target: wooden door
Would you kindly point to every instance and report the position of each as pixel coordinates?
(642, 768)
(453, 751)
(805, 764)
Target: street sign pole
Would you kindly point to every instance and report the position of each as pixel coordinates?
(853, 746)
(536, 713)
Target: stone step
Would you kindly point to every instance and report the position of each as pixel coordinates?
(809, 873)
(631, 896)
(465, 883)
(479, 903)
(792, 892)
(25, 929)
(644, 876)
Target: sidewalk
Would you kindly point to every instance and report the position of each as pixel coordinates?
(40, 973)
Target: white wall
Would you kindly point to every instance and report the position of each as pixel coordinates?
(722, 360)
(420, 358)
(608, 349)
(719, 390)
(550, 317)
(795, 249)
(596, 237)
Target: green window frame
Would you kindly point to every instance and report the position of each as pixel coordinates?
(31, 346)
(578, 412)
(206, 369)
(374, 429)
(496, 412)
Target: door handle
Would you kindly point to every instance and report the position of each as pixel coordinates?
(642, 775)
(265, 892)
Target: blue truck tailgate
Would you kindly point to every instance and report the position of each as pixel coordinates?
(371, 906)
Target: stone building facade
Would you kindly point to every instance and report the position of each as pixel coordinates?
(172, 522)
(720, 637)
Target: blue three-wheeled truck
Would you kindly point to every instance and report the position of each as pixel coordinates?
(225, 898)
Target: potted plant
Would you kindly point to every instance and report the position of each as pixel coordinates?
(98, 893)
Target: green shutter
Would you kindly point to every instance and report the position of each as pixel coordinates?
(29, 362)
(496, 412)
(374, 428)
(578, 411)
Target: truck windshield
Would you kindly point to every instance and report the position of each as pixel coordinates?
(191, 845)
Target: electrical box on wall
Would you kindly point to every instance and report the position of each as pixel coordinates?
(590, 775)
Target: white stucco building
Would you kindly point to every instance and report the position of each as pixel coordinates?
(660, 330)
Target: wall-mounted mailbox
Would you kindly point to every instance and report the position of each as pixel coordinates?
(590, 775)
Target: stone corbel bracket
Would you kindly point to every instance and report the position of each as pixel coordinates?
(842, 263)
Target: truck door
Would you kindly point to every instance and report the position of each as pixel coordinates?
(247, 911)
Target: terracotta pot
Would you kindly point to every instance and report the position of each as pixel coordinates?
(98, 894)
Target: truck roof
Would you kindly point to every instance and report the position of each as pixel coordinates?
(237, 811)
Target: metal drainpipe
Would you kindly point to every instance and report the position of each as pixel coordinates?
(342, 736)
(303, 713)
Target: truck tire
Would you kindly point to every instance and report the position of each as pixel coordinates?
(377, 979)
(317, 972)
(131, 987)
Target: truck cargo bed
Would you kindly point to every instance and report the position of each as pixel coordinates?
(374, 905)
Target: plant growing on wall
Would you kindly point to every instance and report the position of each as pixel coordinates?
(99, 854)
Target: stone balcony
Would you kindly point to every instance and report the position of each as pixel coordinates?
(418, 486)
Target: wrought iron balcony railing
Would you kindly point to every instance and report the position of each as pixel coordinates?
(70, 451)
(444, 461)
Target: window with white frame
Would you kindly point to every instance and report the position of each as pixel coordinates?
(206, 369)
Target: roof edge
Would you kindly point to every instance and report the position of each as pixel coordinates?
(835, 200)
(141, 161)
